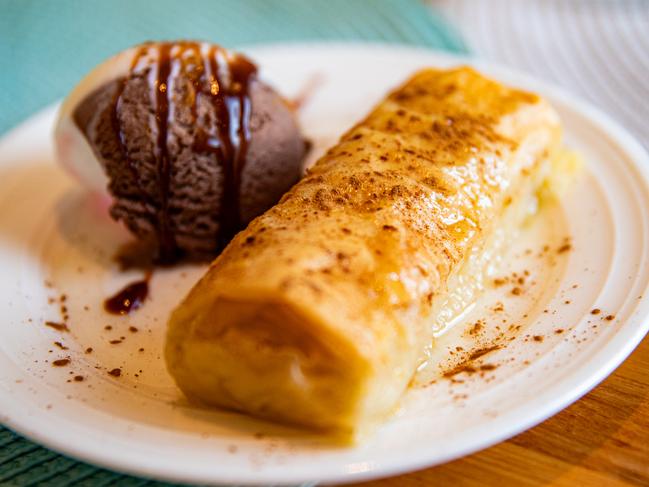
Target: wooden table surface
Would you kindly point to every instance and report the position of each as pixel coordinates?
(602, 439)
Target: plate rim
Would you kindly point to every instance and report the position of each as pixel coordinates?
(614, 352)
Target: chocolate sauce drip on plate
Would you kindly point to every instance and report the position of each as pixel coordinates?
(129, 298)
(225, 80)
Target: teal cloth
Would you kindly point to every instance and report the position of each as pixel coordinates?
(47, 46)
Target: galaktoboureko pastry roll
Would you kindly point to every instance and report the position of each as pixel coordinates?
(319, 313)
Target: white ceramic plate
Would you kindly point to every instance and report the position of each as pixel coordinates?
(56, 239)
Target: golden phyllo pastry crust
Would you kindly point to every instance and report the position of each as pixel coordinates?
(319, 312)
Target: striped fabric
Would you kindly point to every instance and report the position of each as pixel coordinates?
(596, 49)
(46, 46)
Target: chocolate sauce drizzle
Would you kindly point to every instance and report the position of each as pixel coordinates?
(163, 96)
(225, 80)
(129, 298)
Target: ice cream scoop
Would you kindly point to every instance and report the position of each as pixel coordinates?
(187, 140)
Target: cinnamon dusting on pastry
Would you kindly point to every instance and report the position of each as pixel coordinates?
(115, 372)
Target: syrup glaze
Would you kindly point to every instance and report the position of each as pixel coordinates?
(224, 79)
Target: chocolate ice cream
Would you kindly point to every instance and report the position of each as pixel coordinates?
(194, 145)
